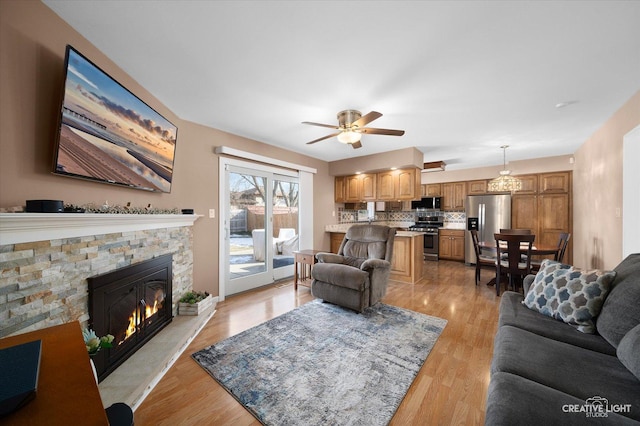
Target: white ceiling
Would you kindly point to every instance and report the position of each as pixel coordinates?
(461, 78)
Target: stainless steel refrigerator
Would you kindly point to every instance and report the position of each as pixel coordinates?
(487, 214)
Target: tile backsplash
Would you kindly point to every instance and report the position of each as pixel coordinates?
(350, 216)
(455, 219)
(452, 219)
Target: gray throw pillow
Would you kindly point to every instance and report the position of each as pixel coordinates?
(629, 351)
(569, 294)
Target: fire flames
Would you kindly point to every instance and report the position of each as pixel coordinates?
(136, 317)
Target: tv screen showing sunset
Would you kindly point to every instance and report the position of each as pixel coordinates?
(108, 134)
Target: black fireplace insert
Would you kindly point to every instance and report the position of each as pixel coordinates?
(132, 304)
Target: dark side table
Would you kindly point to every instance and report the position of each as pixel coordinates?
(306, 259)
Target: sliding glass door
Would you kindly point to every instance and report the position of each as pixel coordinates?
(285, 221)
(261, 227)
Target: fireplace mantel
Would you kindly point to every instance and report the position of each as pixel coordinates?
(27, 227)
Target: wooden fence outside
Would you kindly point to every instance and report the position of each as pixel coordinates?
(252, 217)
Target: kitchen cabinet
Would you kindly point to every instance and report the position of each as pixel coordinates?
(553, 218)
(368, 183)
(338, 189)
(402, 184)
(351, 189)
(335, 241)
(554, 183)
(408, 184)
(386, 186)
(355, 188)
(453, 195)
(431, 190)
(524, 211)
(529, 184)
(451, 244)
(477, 187)
(545, 209)
(407, 259)
(394, 185)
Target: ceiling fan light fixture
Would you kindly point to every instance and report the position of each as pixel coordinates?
(349, 136)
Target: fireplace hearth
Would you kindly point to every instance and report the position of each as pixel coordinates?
(133, 304)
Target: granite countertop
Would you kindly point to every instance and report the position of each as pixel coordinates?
(459, 227)
(408, 233)
(342, 227)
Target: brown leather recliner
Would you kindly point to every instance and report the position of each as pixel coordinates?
(356, 277)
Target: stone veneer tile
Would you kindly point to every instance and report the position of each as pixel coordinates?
(11, 256)
(32, 245)
(45, 283)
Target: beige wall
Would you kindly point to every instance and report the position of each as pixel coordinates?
(597, 190)
(400, 158)
(32, 46)
(522, 167)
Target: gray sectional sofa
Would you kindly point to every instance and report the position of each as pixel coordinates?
(546, 372)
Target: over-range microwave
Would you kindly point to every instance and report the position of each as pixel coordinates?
(432, 203)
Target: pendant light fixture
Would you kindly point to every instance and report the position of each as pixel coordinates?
(505, 182)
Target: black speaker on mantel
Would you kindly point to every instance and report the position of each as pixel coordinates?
(45, 206)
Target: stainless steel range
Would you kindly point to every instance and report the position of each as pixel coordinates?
(428, 222)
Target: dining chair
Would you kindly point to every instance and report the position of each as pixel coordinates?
(482, 261)
(563, 242)
(515, 231)
(514, 265)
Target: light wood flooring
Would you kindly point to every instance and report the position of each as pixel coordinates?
(450, 389)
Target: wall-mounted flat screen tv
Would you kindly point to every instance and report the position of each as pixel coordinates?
(107, 134)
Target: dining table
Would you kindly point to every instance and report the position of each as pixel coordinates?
(536, 250)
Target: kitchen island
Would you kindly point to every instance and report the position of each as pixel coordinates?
(407, 259)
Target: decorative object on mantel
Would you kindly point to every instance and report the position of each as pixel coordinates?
(194, 303)
(104, 208)
(95, 343)
(45, 206)
(505, 182)
(127, 209)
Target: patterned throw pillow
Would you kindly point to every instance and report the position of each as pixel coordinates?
(569, 294)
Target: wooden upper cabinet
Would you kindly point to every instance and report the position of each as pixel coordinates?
(386, 186)
(453, 195)
(408, 183)
(432, 190)
(338, 189)
(529, 184)
(477, 187)
(403, 184)
(352, 189)
(368, 187)
(554, 183)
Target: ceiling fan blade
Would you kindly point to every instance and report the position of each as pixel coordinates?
(356, 145)
(390, 132)
(366, 119)
(320, 124)
(323, 138)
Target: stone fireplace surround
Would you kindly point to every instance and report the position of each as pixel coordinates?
(45, 260)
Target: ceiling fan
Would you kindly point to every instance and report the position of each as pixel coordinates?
(351, 127)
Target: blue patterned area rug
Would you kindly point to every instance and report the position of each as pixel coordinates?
(320, 364)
